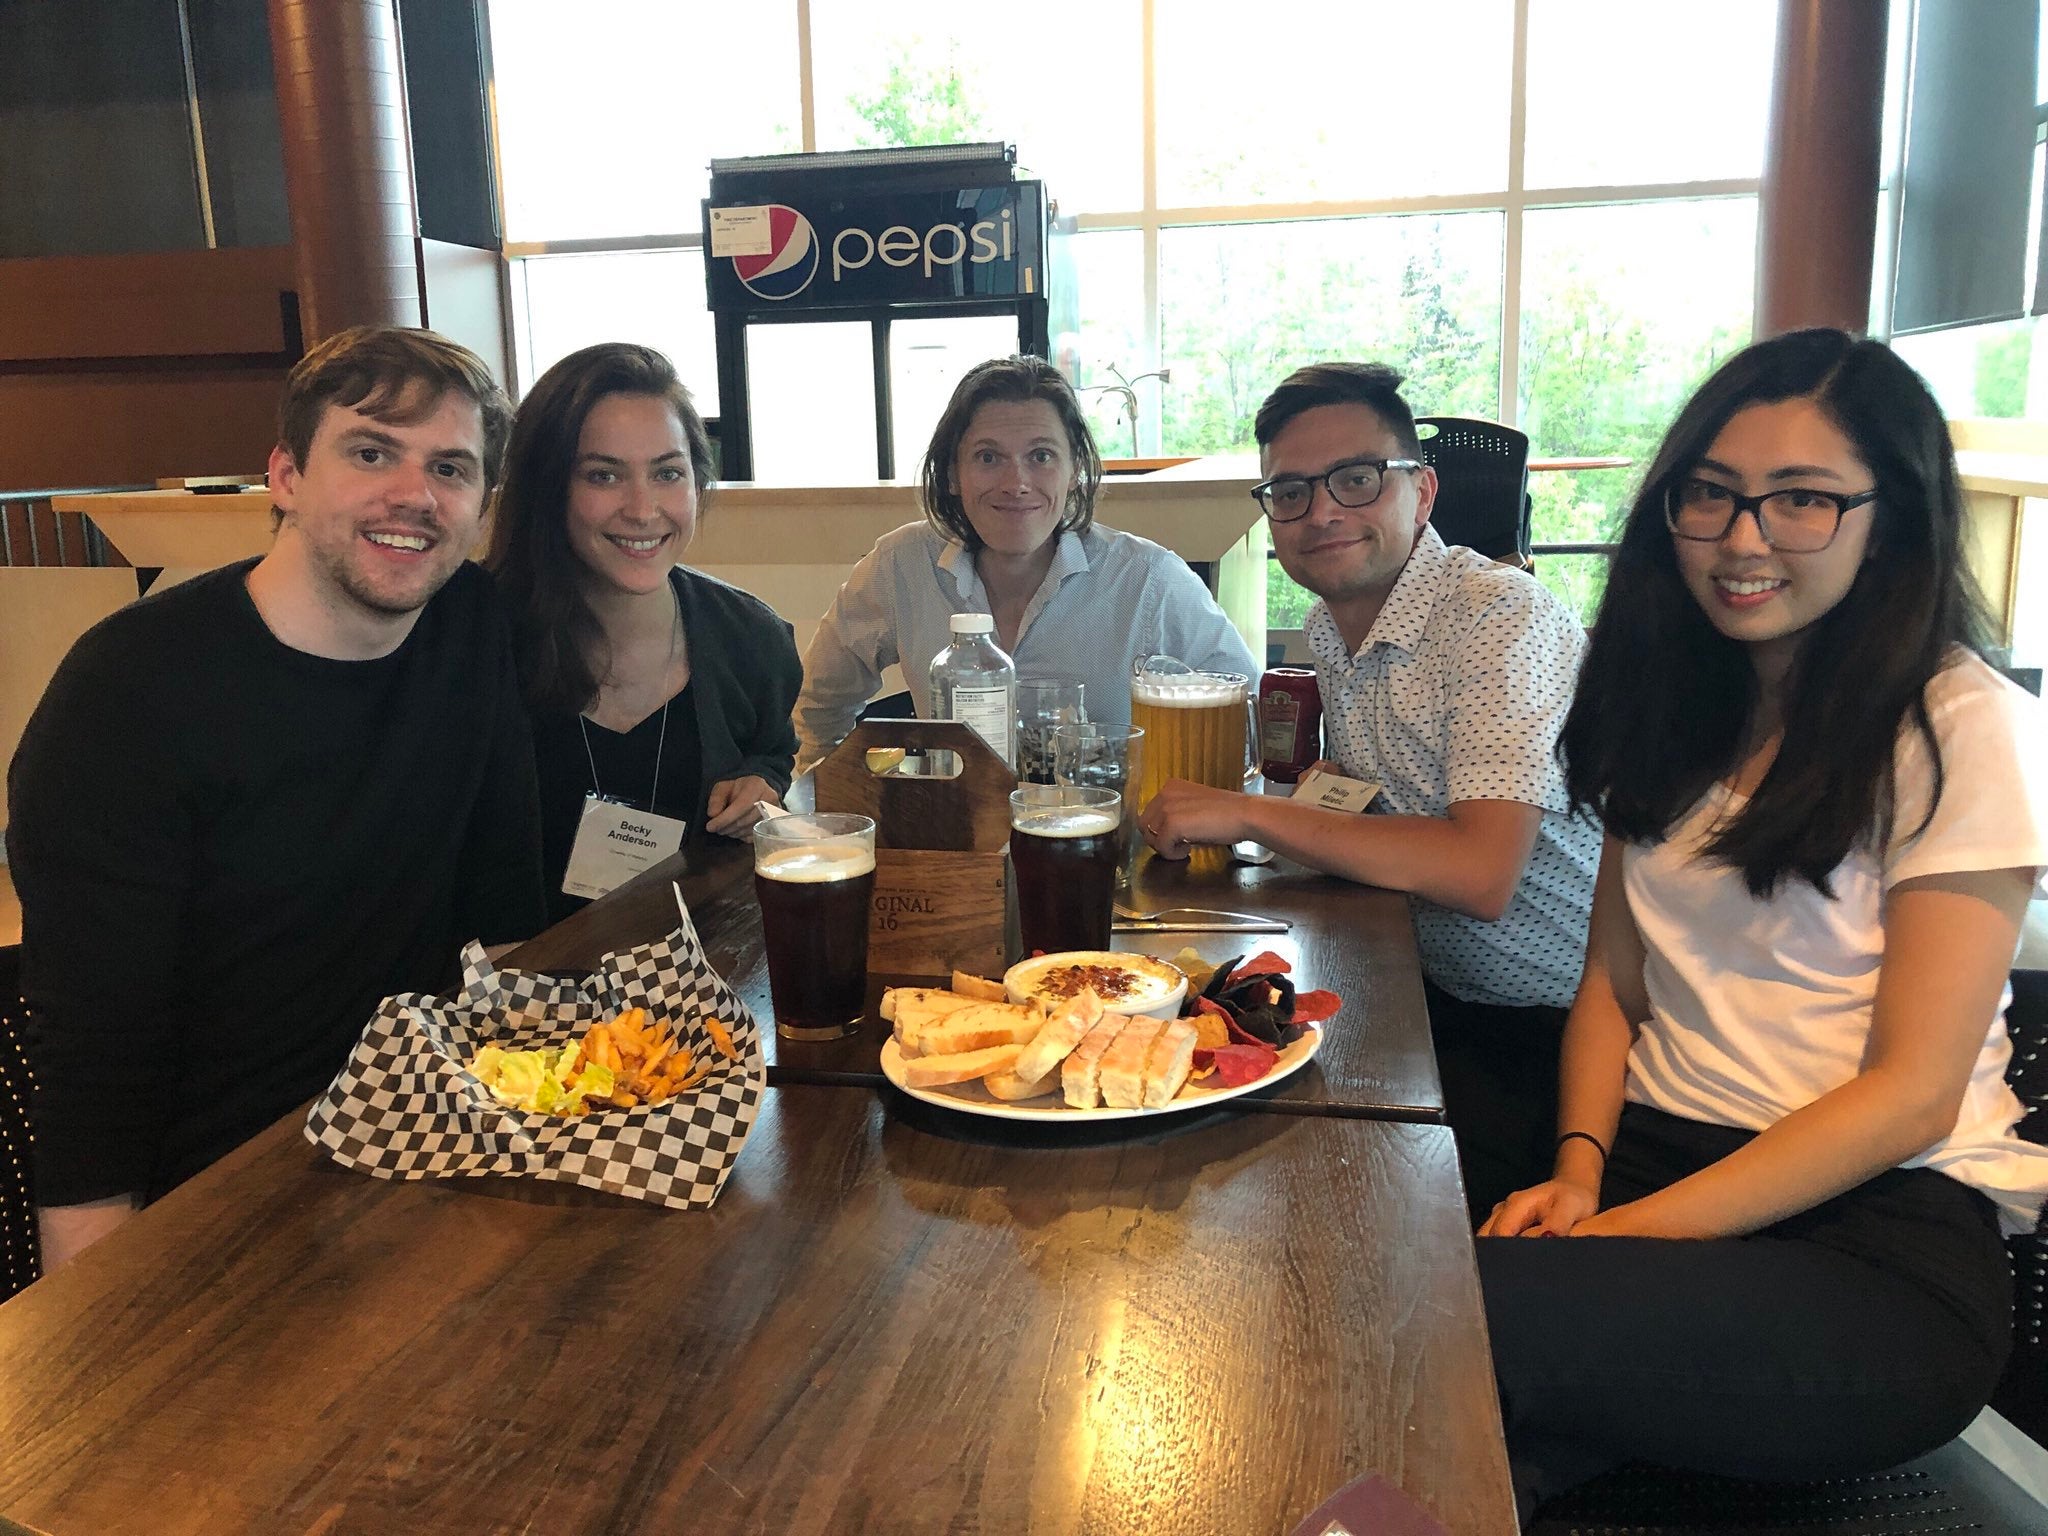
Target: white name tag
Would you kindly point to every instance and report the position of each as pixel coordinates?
(1334, 792)
(614, 842)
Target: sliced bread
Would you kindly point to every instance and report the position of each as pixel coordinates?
(979, 1027)
(1123, 1065)
(960, 1067)
(1064, 1029)
(1080, 1073)
(1169, 1062)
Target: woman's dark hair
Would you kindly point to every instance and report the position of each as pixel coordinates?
(1010, 379)
(556, 636)
(1664, 699)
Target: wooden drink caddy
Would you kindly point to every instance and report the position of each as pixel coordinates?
(941, 844)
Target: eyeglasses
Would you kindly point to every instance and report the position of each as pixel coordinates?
(1797, 520)
(1287, 498)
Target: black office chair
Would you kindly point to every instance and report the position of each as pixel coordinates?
(19, 1255)
(2022, 1396)
(1482, 492)
(1952, 1489)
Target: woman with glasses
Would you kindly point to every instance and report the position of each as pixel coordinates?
(1009, 530)
(660, 696)
(1787, 1149)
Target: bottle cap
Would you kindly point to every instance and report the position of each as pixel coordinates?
(973, 624)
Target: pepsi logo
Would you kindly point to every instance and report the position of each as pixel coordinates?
(791, 260)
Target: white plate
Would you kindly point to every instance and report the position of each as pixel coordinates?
(973, 1099)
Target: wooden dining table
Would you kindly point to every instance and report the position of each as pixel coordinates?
(894, 1318)
(1375, 1062)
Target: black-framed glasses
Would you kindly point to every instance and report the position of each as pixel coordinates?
(1796, 520)
(1287, 498)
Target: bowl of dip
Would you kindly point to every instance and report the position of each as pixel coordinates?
(1132, 984)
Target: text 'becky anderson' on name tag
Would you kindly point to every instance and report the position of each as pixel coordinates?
(1334, 792)
(614, 842)
(741, 231)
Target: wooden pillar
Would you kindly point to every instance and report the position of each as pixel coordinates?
(347, 162)
(1817, 225)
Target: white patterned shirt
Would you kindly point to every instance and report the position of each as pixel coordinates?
(1458, 693)
(1109, 599)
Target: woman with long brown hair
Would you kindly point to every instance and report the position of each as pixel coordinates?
(659, 695)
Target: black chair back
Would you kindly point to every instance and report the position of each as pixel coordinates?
(19, 1255)
(2022, 1394)
(1482, 493)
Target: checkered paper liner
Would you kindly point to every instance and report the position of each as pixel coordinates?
(404, 1108)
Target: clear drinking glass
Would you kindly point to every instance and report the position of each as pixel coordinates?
(1200, 726)
(814, 876)
(1043, 705)
(1063, 847)
(1105, 757)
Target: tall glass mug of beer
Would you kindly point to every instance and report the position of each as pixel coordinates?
(1063, 843)
(1199, 727)
(815, 879)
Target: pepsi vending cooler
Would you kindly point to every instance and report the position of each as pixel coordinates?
(866, 235)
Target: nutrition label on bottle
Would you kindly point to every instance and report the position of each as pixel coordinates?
(988, 710)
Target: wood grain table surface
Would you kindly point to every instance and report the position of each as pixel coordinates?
(887, 1323)
(1376, 1059)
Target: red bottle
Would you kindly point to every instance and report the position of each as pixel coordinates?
(1290, 722)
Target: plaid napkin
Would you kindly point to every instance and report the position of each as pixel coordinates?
(404, 1108)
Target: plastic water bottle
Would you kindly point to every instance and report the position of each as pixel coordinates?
(975, 682)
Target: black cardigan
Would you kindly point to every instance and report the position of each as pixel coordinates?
(744, 679)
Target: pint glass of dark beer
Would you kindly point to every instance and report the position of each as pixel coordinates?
(1063, 850)
(815, 878)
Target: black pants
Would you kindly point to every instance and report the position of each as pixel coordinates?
(1499, 1072)
(1840, 1341)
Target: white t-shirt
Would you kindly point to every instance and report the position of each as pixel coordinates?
(1758, 1007)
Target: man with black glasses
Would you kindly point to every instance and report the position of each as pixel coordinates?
(1445, 679)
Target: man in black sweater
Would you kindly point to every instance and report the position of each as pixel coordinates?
(250, 806)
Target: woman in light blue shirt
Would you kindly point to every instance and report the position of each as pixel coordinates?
(1009, 496)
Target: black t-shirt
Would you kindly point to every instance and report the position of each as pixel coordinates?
(228, 851)
(578, 757)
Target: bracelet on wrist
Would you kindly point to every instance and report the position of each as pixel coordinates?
(1586, 1136)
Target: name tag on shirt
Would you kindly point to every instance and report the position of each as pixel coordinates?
(614, 842)
(1334, 792)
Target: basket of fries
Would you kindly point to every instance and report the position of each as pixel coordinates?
(643, 1080)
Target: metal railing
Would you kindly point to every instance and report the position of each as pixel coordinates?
(32, 532)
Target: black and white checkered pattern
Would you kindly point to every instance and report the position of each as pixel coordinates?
(404, 1108)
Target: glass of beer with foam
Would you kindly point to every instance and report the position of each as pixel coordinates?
(815, 879)
(1199, 727)
(1063, 851)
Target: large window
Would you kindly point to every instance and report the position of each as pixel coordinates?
(1331, 100)
(609, 111)
(1514, 201)
(1057, 80)
(1625, 307)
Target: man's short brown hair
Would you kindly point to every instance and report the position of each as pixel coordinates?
(396, 375)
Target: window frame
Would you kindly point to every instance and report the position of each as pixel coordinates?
(1514, 201)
